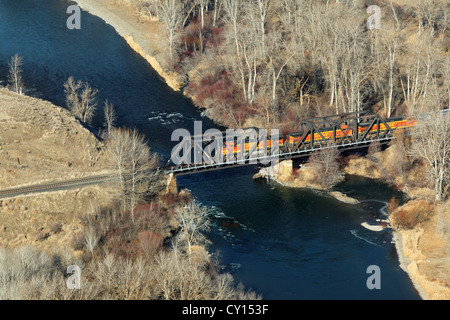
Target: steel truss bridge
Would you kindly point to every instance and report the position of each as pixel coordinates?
(345, 132)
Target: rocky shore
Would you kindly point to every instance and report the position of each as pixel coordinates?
(283, 174)
(423, 250)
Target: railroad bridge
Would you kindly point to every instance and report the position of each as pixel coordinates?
(345, 132)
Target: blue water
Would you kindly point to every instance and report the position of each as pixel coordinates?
(299, 243)
(283, 243)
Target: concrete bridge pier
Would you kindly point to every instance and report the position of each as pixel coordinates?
(283, 169)
(172, 184)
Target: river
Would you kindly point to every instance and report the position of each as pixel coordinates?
(282, 243)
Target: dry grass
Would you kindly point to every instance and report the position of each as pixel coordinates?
(426, 248)
(48, 221)
(412, 214)
(393, 167)
(362, 167)
(305, 177)
(41, 142)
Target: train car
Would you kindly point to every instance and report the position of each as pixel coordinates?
(294, 138)
(401, 122)
(346, 132)
(240, 141)
(342, 133)
(393, 123)
(278, 139)
(229, 147)
(246, 145)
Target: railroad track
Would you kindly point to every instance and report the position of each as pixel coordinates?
(55, 186)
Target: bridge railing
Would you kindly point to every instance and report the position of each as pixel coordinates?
(193, 168)
(349, 131)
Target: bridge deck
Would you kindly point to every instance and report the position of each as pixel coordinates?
(204, 167)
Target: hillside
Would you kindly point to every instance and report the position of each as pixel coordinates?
(42, 142)
(122, 255)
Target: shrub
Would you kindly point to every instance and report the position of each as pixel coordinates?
(78, 241)
(150, 242)
(28, 273)
(411, 214)
(345, 161)
(173, 200)
(392, 205)
(56, 228)
(326, 164)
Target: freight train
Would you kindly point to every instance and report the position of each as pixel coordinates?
(343, 134)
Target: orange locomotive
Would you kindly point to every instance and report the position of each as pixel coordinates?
(235, 148)
(344, 132)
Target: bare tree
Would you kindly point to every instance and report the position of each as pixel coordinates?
(91, 238)
(279, 50)
(88, 103)
(15, 74)
(27, 273)
(122, 278)
(140, 162)
(170, 14)
(118, 155)
(245, 37)
(203, 6)
(431, 144)
(80, 99)
(328, 29)
(327, 167)
(259, 13)
(393, 48)
(354, 65)
(193, 221)
(218, 4)
(135, 165)
(180, 278)
(386, 45)
(110, 116)
(71, 88)
(420, 68)
(233, 10)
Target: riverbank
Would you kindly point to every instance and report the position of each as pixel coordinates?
(424, 251)
(283, 174)
(405, 262)
(142, 35)
(423, 248)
